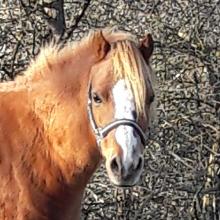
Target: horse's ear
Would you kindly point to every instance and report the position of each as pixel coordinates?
(100, 45)
(147, 47)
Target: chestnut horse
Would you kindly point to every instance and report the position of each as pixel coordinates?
(71, 108)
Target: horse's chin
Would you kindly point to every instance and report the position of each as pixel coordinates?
(124, 182)
(123, 185)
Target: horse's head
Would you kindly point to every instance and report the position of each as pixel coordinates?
(120, 96)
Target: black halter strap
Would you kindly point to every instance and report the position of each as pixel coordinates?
(102, 132)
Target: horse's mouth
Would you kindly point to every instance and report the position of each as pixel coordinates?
(123, 185)
(129, 181)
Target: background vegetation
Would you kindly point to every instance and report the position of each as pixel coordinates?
(182, 170)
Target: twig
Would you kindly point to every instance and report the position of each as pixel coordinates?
(11, 72)
(70, 30)
(180, 160)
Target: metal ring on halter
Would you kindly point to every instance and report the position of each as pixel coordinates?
(101, 133)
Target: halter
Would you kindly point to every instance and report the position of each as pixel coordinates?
(102, 132)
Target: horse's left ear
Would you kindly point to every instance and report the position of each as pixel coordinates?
(147, 47)
(100, 45)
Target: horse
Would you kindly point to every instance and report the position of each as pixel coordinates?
(73, 107)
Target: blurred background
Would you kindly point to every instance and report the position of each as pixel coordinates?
(181, 179)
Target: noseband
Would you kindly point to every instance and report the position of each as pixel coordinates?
(102, 132)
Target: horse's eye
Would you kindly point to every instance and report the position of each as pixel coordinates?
(96, 98)
(134, 114)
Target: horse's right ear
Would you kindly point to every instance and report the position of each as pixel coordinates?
(100, 45)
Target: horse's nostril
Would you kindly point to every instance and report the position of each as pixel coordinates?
(115, 165)
(139, 165)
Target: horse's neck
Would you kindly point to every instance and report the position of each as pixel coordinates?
(56, 154)
(53, 149)
(71, 145)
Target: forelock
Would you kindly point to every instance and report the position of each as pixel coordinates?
(128, 64)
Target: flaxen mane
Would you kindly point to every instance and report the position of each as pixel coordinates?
(129, 65)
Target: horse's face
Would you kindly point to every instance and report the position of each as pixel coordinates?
(113, 99)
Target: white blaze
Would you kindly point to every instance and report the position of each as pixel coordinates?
(124, 105)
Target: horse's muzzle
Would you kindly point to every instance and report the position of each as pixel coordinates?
(124, 175)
